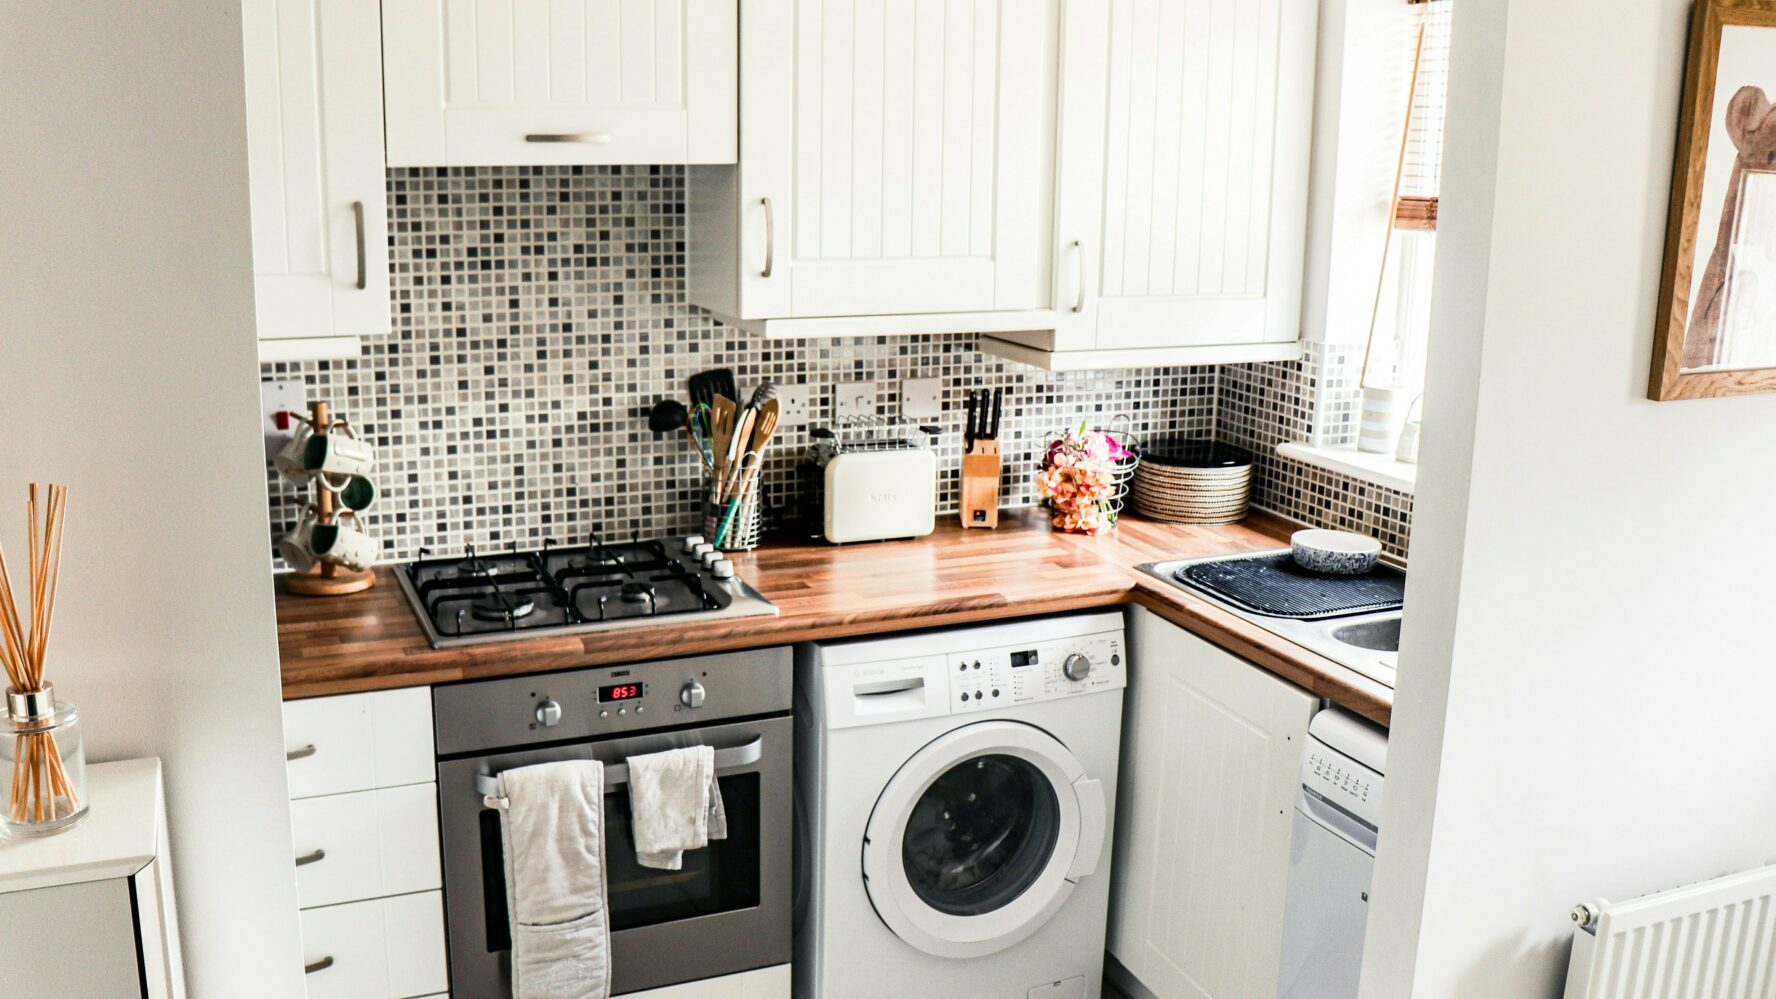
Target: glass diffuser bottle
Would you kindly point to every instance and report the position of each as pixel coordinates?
(42, 764)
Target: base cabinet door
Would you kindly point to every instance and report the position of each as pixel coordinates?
(1185, 134)
(1211, 750)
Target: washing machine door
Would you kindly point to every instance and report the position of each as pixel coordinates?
(979, 838)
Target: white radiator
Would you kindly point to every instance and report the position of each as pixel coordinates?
(1711, 940)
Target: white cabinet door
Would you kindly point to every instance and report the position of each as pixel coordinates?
(355, 742)
(386, 948)
(1211, 751)
(315, 169)
(522, 82)
(897, 157)
(366, 844)
(1185, 134)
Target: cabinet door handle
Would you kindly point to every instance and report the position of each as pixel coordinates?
(587, 138)
(309, 858)
(770, 238)
(358, 225)
(301, 754)
(322, 965)
(1079, 263)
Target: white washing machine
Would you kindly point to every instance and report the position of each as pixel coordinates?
(956, 792)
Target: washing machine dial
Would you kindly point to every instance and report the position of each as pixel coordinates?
(1076, 667)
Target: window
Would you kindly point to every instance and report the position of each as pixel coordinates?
(1401, 325)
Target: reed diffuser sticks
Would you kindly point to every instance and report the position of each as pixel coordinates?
(41, 790)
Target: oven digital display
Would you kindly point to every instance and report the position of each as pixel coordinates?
(619, 692)
(1023, 659)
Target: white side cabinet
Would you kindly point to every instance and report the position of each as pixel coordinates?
(364, 817)
(1181, 216)
(89, 911)
(1211, 750)
(537, 82)
(896, 169)
(315, 171)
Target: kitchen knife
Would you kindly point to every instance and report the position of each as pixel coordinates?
(998, 409)
(968, 434)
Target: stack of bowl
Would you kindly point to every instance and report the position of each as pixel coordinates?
(1186, 481)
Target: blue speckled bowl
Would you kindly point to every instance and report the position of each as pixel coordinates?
(1335, 553)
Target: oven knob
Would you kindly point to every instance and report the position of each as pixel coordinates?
(549, 713)
(1077, 667)
(692, 695)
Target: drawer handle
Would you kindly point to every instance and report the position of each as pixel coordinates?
(322, 965)
(300, 754)
(590, 138)
(309, 858)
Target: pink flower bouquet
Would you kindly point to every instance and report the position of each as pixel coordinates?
(1079, 479)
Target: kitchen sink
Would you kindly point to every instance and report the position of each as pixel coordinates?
(1376, 635)
(1367, 643)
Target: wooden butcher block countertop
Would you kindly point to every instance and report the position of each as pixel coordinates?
(371, 640)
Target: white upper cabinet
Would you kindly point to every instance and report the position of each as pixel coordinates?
(896, 168)
(315, 172)
(537, 82)
(1185, 136)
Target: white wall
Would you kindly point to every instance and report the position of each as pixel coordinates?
(1587, 680)
(128, 371)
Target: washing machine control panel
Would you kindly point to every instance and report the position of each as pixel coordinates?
(982, 679)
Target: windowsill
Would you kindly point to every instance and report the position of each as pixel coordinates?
(1377, 469)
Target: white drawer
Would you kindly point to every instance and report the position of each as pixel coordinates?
(386, 948)
(369, 844)
(356, 742)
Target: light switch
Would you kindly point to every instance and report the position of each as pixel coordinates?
(921, 399)
(854, 399)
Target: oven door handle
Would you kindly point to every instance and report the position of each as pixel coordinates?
(617, 774)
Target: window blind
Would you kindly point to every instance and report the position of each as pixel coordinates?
(1422, 171)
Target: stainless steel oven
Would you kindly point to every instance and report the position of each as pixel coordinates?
(727, 910)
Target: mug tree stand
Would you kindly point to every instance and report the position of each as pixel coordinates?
(326, 579)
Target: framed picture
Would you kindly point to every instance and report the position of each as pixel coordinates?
(1717, 297)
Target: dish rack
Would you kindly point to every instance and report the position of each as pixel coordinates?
(850, 434)
(859, 517)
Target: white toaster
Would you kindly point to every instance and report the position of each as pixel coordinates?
(880, 495)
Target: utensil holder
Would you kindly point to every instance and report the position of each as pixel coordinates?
(981, 471)
(745, 529)
(42, 764)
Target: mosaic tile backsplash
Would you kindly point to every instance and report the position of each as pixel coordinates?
(1314, 400)
(540, 312)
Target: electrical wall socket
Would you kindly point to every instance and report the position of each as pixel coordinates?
(280, 397)
(792, 405)
(921, 398)
(854, 399)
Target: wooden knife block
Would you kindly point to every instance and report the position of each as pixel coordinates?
(981, 468)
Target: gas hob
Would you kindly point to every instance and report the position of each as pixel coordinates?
(568, 590)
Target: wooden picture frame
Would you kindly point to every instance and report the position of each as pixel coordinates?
(1725, 169)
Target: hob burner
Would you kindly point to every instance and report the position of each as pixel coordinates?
(636, 593)
(499, 607)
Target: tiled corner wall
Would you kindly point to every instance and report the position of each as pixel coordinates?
(540, 312)
(1314, 400)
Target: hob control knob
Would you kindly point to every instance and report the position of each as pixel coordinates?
(722, 569)
(691, 543)
(548, 713)
(691, 695)
(1077, 667)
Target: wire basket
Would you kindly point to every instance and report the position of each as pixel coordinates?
(1124, 473)
(746, 526)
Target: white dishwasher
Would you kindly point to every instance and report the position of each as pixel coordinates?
(1331, 857)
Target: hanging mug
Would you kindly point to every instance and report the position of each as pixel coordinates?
(343, 544)
(357, 495)
(288, 460)
(293, 547)
(338, 454)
